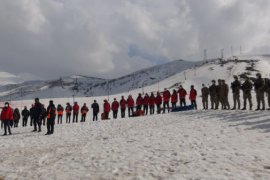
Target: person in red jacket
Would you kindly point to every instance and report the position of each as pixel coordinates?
(6, 117)
(182, 96)
(174, 99)
(166, 100)
(130, 103)
(145, 104)
(76, 109)
(152, 103)
(123, 105)
(106, 109)
(139, 102)
(68, 112)
(158, 101)
(115, 107)
(84, 111)
(192, 96)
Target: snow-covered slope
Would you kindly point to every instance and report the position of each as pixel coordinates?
(84, 86)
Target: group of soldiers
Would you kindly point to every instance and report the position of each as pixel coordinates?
(219, 93)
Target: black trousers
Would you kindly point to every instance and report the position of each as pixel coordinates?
(115, 114)
(130, 111)
(123, 113)
(68, 115)
(50, 125)
(44, 121)
(152, 109)
(37, 123)
(7, 126)
(16, 123)
(83, 117)
(158, 108)
(173, 105)
(25, 122)
(31, 121)
(164, 106)
(139, 107)
(2, 124)
(145, 109)
(95, 116)
(182, 102)
(194, 103)
(59, 119)
(75, 117)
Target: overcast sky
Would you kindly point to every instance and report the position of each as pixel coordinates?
(109, 38)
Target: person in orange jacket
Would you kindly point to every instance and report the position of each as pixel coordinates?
(68, 112)
(6, 117)
(76, 109)
(174, 99)
(60, 111)
(192, 96)
(84, 111)
(106, 109)
(115, 107)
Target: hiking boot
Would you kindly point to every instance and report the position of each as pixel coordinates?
(244, 108)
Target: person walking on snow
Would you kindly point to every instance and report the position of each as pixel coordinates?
(84, 111)
(25, 116)
(123, 105)
(192, 96)
(37, 114)
(95, 108)
(51, 114)
(115, 107)
(6, 117)
(43, 115)
(60, 111)
(31, 115)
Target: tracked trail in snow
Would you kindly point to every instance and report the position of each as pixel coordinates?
(190, 145)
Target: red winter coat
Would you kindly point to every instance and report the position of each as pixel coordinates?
(166, 96)
(139, 101)
(84, 110)
(130, 102)
(174, 98)
(107, 107)
(115, 105)
(158, 99)
(123, 104)
(7, 114)
(151, 101)
(145, 100)
(192, 94)
(76, 109)
(182, 93)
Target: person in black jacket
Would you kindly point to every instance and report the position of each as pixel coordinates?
(259, 85)
(95, 108)
(16, 117)
(25, 116)
(37, 113)
(32, 115)
(213, 95)
(246, 88)
(43, 115)
(236, 86)
(50, 118)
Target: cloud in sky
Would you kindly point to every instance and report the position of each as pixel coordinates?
(110, 38)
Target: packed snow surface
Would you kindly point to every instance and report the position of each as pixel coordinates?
(186, 145)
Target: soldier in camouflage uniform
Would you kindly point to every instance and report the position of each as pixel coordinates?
(205, 94)
(236, 86)
(225, 98)
(259, 89)
(213, 94)
(246, 88)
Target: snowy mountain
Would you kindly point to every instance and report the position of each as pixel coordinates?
(83, 86)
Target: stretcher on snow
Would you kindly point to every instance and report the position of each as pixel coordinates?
(183, 108)
(103, 117)
(138, 113)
